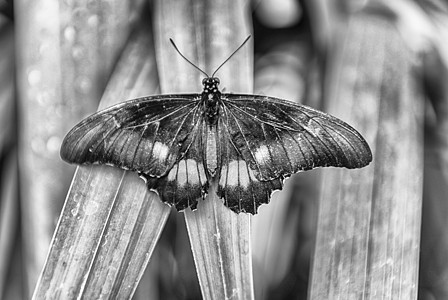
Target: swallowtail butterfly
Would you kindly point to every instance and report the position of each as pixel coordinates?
(181, 144)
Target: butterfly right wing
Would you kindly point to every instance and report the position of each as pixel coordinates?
(278, 138)
(265, 140)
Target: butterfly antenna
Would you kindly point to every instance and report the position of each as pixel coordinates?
(245, 41)
(183, 56)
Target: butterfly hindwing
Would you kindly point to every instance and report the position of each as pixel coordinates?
(278, 138)
(241, 190)
(146, 135)
(186, 182)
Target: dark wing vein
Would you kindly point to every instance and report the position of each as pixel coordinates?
(142, 109)
(321, 140)
(234, 134)
(279, 138)
(182, 125)
(225, 126)
(359, 155)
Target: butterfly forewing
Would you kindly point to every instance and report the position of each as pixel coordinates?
(278, 137)
(147, 135)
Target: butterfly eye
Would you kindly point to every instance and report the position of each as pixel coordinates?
(217, 81)
(204, 81)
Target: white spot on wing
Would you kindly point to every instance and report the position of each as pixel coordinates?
(244, 176)
(117, 124)
(173, 173)
(232, 177)
(311, 129)
(187, 171)
(160, 151)
(238, 174)
(223, 179)
(182, 176)
(262, 154)
(202, 176)
(192, 171)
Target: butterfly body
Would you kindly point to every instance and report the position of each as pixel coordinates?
(211, 97)
(246, 145)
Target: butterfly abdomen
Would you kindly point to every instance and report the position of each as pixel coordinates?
(211, 150)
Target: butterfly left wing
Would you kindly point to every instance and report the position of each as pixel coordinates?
(154, 136)
(272, 139)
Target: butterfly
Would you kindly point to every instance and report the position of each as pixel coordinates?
(181, 144)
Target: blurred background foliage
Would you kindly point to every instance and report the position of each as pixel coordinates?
(293, 43)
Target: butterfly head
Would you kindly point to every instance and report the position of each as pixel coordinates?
(210, 85)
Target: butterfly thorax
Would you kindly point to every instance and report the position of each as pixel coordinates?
(211, 97)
